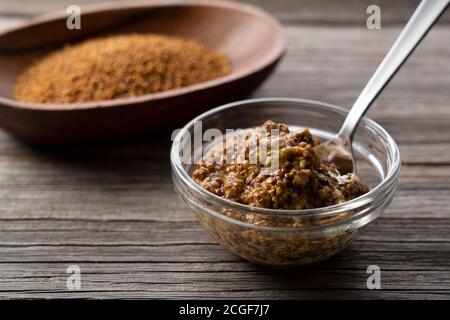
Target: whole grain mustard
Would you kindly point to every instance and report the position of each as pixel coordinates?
(301, 181)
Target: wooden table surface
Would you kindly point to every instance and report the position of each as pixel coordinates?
(112, 210)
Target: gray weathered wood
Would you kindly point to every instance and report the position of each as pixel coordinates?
(111, 209)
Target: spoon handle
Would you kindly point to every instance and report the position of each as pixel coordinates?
(426, 14)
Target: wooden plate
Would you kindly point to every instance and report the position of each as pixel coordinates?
(250, 37)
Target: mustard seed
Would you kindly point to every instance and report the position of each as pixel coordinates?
(119, 66)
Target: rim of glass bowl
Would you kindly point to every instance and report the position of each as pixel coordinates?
(374, 194)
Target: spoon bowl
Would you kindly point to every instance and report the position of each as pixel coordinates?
(251, 38)
(338, 151)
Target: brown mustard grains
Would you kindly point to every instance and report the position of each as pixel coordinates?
(118, 67)
(302, 181)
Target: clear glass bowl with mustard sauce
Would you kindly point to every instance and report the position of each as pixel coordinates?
(277, 237)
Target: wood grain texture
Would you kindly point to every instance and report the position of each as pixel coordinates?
(111, 209)
(293, 11)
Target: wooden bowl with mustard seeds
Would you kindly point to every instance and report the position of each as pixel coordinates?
(236, 46)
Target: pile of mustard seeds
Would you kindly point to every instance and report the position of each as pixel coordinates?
(118, 67)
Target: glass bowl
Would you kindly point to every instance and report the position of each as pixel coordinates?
(286, 237)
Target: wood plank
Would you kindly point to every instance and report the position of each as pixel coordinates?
(407, 204)
(239, 279)
(408, 255)
(245, 295)
(389, 256)
(257, 283)
(304, 11)
(188, 233)
(333, 65)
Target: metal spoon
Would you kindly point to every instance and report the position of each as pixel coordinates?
(338, 150)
